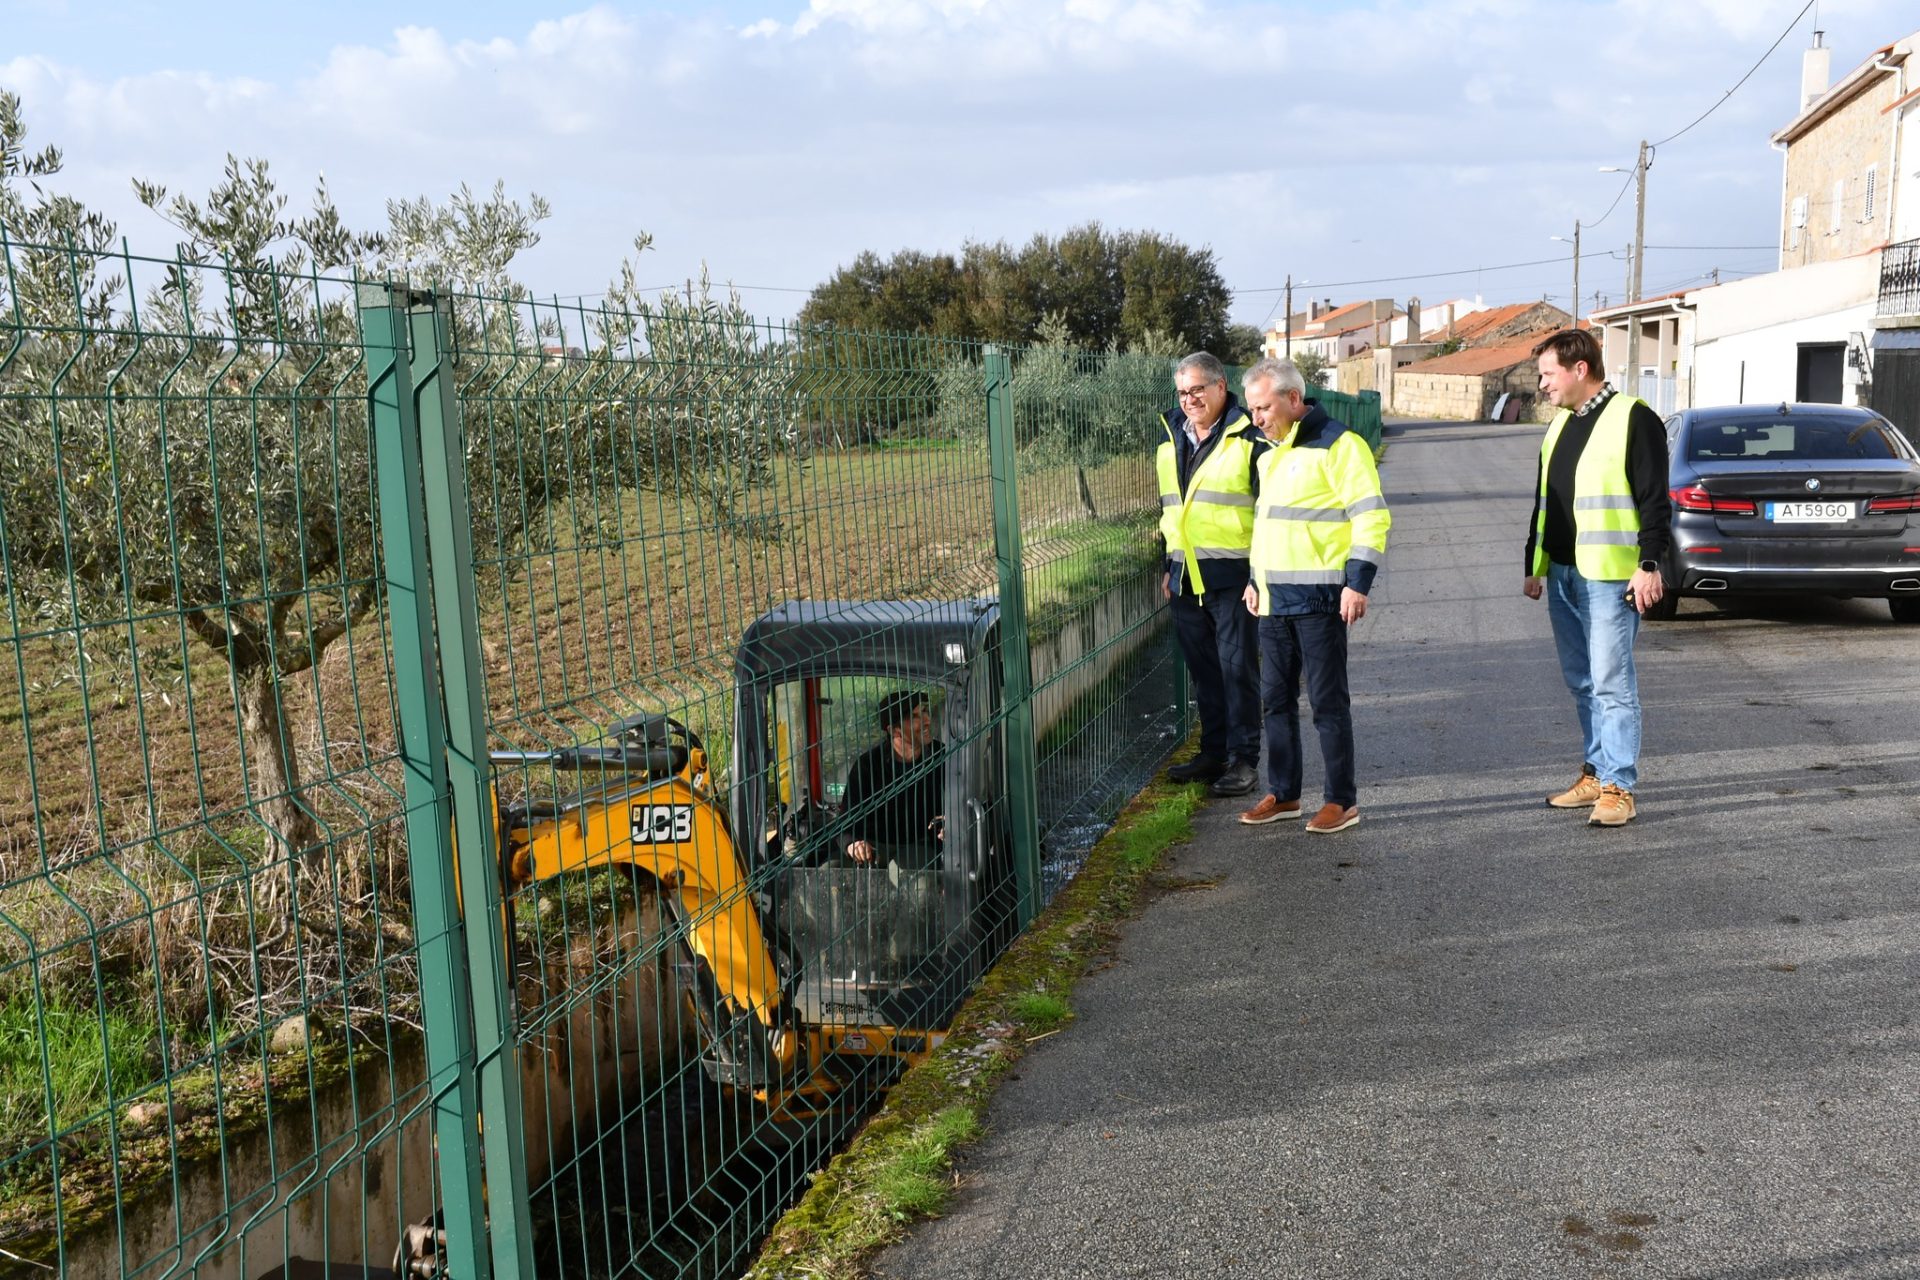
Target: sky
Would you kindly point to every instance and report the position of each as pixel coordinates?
(1349, 145)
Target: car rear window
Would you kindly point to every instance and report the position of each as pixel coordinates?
(1795, 439)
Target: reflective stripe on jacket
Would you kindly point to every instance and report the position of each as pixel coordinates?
(1322, 521)
(1606, 521)
(1213, 519)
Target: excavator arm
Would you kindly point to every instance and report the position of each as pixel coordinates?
(652, 814)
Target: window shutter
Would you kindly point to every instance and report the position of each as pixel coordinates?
(1873, 180)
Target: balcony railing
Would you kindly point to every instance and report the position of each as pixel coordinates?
(1900, 279)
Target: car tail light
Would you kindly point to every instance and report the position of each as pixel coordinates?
(1695, 498)
(1904, 502)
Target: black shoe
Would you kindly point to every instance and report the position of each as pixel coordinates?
(1236, 781)
(1198, 769)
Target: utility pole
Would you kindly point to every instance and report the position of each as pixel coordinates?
(1576, 273)
(1639, 258)
(1288, 322)
(1575, 242)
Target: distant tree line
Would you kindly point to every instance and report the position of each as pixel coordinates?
(1112, 290)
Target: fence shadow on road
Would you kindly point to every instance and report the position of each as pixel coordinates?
(1837, 1262)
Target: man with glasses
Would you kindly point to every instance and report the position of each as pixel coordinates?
(1209, 481)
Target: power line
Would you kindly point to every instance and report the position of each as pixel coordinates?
(1427, 275)
(1585, 256)
(1588, 226)
(1743, 79)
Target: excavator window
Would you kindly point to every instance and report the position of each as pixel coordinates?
(825, 734)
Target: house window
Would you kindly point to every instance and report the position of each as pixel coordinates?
(1839, 204)
(1797, 219)
(1873, 180)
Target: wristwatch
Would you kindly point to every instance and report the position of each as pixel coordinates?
(1650, 566)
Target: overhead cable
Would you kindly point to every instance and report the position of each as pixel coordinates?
(1743, 79)
(1586, 255)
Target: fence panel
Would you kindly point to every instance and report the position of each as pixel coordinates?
(666, 695)
(1108, 702)
(1360, 411)
(210, 1007)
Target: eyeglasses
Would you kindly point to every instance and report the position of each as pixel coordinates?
(1194, 393)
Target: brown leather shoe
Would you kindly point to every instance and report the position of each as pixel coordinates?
(1332, 818)
(1584, 792)
(1270, 809)
(1614, 808)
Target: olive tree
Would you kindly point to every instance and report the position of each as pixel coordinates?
(707, 395)
(199, 454)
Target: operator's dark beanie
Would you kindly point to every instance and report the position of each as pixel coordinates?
(898, 707)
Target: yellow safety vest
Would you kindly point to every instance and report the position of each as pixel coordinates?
(1319, 508)
(1213, 519)
(1606, 523)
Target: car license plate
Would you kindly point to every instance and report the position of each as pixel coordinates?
(1809, 512)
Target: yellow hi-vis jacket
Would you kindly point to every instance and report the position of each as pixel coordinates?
(1322, 521)
(1213, 519)
(1606, 522)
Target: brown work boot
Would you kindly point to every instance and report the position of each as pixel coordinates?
(1614, 808)
(1332, 818)
(1270, 809)
(1584, 792)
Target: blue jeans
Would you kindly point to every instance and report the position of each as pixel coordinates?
(1317, 644)
(1594, 628)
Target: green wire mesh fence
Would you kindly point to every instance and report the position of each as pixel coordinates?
(500, 787)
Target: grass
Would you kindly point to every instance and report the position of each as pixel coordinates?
(899, 1167)
(1041, 1009)
(90, 1057)
(912, 1181)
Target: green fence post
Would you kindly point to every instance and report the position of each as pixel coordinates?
(445, 993)
(450, 553)
(1016, 670)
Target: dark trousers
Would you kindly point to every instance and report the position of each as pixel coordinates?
(1316, 643)
(1219, 641)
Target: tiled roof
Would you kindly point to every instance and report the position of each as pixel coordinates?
(1467, 328)
(1479, 360)
(1320, 321)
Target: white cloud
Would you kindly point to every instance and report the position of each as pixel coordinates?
(1434, 132)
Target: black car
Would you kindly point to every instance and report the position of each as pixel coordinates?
(1805, 499)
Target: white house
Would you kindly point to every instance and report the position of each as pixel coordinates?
(1806, 332)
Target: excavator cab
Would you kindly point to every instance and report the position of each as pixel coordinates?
(895, 941)
(802, 963)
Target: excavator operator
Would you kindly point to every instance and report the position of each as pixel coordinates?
(904, 824)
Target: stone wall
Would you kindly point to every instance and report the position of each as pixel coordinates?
(1357, 374)
(1839, 150)
(1466, 397)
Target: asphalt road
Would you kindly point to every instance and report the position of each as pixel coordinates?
(1475, 1037)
